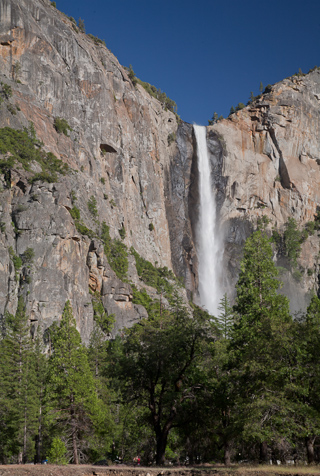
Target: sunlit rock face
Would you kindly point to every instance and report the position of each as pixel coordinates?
(264, 161)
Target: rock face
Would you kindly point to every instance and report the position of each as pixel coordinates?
(265, 161)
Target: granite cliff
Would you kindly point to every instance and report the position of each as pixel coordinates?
(125, 170)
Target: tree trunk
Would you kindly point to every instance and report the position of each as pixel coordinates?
(161, 447)
(310, 449)
(74, 447)
(226, 453)
(263, 452)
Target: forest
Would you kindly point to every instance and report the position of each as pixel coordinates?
(179, 386)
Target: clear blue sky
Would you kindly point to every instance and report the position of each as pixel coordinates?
(206, 55)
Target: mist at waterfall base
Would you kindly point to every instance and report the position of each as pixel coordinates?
(209, 245)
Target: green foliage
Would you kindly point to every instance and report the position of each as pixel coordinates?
(122, 232)
(132, 76)
(28, 256)
(6, 90)
(18, 388)
(102, 180)
(71, 393)
(214, 119)
(92, 206)
(84, 230)
(96, 40)
(158, 278)
(17, 261)
(310, 227)
(116, 253)
(225, 319)
(159, 369)
(112, 203)
(293, 238)
(166, 102)
(142, 297)
(101, 317)
(240, 106)
(171, 137)
(61, 126)
(151, 226)
(261, 343)
(232, 110)
(53, 4)
(81, 25)
(58, 452)
(12, 109)
(25, 149)
(75, 213)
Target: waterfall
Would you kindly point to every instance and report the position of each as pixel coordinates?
(208, 244)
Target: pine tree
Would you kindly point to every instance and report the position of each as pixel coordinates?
(225, 319)
(71, 391)
(261, 344)
(18, 387)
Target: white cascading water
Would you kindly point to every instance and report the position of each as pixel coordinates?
(208, 244)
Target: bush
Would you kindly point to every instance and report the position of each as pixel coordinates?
(171, 137)
(58, 452)
(155, 277)
(61, 126)
(75, 213)
(25, 149)
(96, 40)
(28, 256)
(53, 4)
(151, 226)
(116, 253)
(122, 232)
(92, 206)
(83, 230)
(6, 90)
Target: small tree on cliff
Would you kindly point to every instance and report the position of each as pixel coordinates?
(71, 393)
(159, 365)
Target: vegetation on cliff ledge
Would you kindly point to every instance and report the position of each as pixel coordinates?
(22, 146)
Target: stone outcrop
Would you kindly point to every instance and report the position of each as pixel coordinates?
(265, 161)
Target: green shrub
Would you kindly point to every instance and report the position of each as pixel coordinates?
(28, 256)
(156, 277)
(17, 262)
(122, 232)
(6, 90)
(83, 230)
(12, 109)
(310, 227)
(141, 297)
(310, 272)
(116, 253)
(96, 40)
(81, 25)
(75, 213)
(2, 227)
(104, 320)
(171, 137)
(25, 149)
(61, 126)
(53, 4)
(293, 238)
(151, 226)
(112, 203)
(92, 206)
(58, 450)
(102, 180)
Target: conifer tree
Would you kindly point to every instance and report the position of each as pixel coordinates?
(71, 392)
(18, 387)
(225, 319)
(261, 344)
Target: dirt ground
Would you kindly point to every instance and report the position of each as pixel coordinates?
(206, 470)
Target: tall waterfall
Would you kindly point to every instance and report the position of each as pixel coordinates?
(208, 244)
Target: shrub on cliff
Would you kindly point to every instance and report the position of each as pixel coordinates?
(61, 126)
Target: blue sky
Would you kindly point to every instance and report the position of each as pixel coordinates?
(206, 55)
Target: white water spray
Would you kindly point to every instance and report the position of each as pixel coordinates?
(208, 244)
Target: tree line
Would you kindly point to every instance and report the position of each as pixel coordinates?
(180, 385)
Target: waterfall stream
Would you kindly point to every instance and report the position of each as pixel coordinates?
(208, 244)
